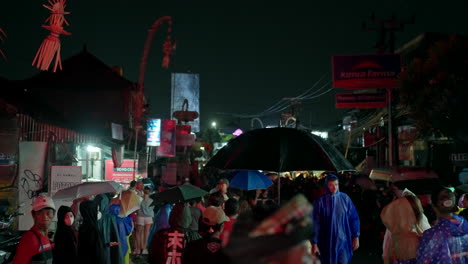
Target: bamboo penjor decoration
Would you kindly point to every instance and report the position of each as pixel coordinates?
(2, 36)
(50, 47)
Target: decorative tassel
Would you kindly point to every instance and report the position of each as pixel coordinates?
(2, 36)
(168, 48)
(50, 47)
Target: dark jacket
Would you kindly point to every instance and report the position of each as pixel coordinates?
(180, 220)
(90, 243)
(65, 241)
(206, 250)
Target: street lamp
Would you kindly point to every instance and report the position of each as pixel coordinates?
(213, 124)
(94, 153)
(91, 148)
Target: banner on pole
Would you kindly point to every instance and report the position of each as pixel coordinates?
(186, 86)
(168, 139)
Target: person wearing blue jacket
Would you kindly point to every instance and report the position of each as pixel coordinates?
(336, 225)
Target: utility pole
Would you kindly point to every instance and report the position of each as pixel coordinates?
(390, 27)
(387, 27)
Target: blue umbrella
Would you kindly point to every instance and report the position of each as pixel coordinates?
(250, 180)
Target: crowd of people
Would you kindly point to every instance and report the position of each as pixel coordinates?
(235, 226)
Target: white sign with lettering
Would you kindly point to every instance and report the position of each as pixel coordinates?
(62, 177)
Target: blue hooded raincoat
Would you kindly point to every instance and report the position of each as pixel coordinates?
(336, 224)
(124, 226)
(445, 243)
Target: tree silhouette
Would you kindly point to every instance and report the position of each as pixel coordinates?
(434, 89)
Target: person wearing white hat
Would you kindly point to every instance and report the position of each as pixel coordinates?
(35, 245)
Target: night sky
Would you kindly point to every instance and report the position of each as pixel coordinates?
(248, 55)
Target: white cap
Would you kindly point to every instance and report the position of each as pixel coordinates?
(214, 216)
(42, 202)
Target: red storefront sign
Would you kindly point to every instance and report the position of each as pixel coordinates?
(361, 100)
(123, 174)
(366, 71)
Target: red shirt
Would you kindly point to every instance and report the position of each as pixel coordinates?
(227, 230)
(30, 246)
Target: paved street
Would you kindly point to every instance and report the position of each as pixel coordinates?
(360, 257)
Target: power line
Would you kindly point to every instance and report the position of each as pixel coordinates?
(285, 103)
(282, 102)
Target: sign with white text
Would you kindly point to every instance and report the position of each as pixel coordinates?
(373, 71)
(361, 100)
(153, 132)
(122, 174)
(62, 177)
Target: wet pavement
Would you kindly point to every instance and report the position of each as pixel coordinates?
(359, 257)
(140, 259)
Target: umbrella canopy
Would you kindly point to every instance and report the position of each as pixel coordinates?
(402, 174)
(250, 180)
(87, 189)
(279, 149)
(129, 203)
(365, 182)
(181, 193)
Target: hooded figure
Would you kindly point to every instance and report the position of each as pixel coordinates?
(90, 244)
(170, 242)
(160, 221)
(65, 250)
(124, 228)
(107, 226)
(447, 241)
(406, 222)
(336, 225)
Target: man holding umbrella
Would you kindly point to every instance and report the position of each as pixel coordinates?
(336, 225)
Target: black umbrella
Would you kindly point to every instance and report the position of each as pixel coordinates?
(279, 149)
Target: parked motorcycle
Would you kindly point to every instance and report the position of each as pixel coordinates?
(9, 239)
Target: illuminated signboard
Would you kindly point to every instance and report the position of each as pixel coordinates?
(153, 136)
